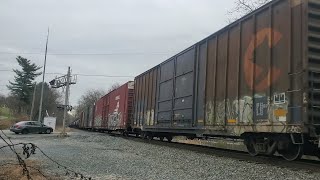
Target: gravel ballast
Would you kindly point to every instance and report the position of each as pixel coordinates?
(102, 156)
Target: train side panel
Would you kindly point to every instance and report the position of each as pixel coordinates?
(248, 77)
(98, 113)
(119, 113)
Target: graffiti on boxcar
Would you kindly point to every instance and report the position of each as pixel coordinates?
(115, 117)
(150, 117)
(245, 109)
(209, 113)
(220, 113)
(248, 110)
(97, 121)
(251, 68)
(232, 111)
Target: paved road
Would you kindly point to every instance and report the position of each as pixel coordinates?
(102, 156)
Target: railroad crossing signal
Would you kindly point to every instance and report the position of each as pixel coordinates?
(66, 81)
(62, 107)
(62, 81)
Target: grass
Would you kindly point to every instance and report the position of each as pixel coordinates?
(7, 119)
(5, 112)
(14, 172)
(6, 123)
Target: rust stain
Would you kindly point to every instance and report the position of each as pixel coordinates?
(273, 38)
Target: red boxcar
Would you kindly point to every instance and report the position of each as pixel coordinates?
(114, 111)
(81, 121)
(97, 123)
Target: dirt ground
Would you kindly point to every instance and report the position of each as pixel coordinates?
(5, 123)
(13, 171)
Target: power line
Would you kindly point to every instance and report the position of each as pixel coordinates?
(95, 75)
(89, 75)
(90, 54)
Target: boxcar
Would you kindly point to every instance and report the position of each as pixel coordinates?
(257, 79)
(81, 120)
(98, 115)
(87, 117)
(114, 110)
(90, 120)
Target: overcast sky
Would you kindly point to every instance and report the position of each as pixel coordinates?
(132, 35)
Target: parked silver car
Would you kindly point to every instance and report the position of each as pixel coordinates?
(26, 127)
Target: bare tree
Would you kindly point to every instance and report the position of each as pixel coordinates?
(113, 87)
(2, 100)
(51, 100)
(12, 102)
(243, 7)
(89, 98)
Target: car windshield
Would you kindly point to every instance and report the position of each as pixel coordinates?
(20, 123)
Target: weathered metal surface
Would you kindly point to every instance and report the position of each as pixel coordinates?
(114, 111)
(81, 120)
(145, 93)
(251, 76)
(120, 107)
(90, 116)
(97, 123)
(314, 66)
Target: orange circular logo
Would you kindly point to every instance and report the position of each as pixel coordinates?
(249, 66)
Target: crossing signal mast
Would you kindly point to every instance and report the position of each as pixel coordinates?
(64, 81)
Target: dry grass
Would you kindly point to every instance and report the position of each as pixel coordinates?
(6, 123)
(14, 172)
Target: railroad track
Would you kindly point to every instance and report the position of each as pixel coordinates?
(308, 165)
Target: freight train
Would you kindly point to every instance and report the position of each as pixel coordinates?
(257, 79)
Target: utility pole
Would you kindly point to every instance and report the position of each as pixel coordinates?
(64, 81)
(66, 103)
(43, 74)
(33, 98)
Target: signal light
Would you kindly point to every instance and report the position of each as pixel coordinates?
(52, 82)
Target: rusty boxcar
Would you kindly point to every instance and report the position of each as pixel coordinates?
(87, 117)
(81, 120)
(257, 79)
(113, 111)
(120, 107)
(98, 115)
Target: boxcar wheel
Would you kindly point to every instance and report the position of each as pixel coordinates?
(150, 137)
(144, 135)
(161, 138)
(169, 138)
(293, 152)
(251, 146)
(124, 133)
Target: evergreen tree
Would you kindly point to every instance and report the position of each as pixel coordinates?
(22, 86)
